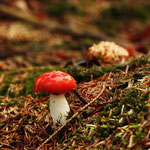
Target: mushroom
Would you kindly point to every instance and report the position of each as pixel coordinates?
(57, 83)
(107, 52)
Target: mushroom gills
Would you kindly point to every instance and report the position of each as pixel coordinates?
(59, 108)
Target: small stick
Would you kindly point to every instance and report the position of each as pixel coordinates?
(80, 97)
(75, 115)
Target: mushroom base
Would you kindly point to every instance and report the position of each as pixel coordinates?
(59, 108)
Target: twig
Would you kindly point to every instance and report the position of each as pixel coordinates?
(75, 115)
(80, 97)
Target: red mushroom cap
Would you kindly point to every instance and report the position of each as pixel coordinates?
(54, 82)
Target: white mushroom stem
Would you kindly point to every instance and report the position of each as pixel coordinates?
(59, 108)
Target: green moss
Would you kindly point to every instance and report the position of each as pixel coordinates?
(63, 7)
(140, 12)
(27, 83)
(139, 134)
(37, 47)
(112, 17)
(79, 73)
(134, 101)
(3, 90)
(84, 74)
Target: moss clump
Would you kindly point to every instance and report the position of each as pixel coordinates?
(84, 74)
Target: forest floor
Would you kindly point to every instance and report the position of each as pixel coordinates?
(110, 108)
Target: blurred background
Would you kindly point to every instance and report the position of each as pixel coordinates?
(53, 32)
